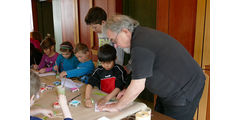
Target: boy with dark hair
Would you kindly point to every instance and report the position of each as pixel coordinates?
(96, 18)
(109, 77)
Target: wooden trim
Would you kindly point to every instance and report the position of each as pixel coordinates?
(202, 110)
(34, 15)
(206, 43)
(162, 15)
(76, 28)
(200, 21)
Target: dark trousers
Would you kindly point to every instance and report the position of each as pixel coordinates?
(179, 112)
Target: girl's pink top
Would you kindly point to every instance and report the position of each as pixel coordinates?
(48, 62)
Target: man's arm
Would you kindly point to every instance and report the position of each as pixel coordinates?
(133, 90)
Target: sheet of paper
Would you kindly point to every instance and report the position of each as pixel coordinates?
(96, 107)
(47, 74)
(68, 83)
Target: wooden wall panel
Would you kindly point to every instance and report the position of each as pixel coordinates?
(162, 15)
(199, 34)
(35, 15)
(206, 45)
(178, 19)
(68, 20)
(182, 22)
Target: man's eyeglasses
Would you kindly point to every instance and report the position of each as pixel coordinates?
(115, 40)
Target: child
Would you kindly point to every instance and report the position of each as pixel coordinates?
(36, 39)
(96, 18)
(85, 67)
(67, 60)
(49, 57)
(34, 90)
(109, 77)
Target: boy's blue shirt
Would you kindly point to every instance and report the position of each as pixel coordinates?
(82, 69)
(36, 118)
(66, 64)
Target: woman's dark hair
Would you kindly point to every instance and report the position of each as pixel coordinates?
(48, 42)
(95, 15)
(107, 53)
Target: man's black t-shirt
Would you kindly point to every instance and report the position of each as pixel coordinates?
(169, 69)
(114, 78)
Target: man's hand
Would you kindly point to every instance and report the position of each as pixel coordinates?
(63, 74)
(109, 108)
(102, 101)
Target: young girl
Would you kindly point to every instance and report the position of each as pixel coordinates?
(49, 57)
(66, 60)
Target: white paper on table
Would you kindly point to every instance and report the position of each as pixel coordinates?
(68, 83)
(96, 107)
(103, 118)
(47, 74)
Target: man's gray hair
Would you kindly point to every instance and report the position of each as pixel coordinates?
(117, 22)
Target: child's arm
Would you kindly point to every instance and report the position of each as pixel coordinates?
(42, 63)
(63, 103)
(88, 101)
(105, 99)
(45, 112)
(80, 71)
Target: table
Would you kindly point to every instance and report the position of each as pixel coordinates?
(48, 97)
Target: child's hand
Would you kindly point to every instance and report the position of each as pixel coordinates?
(55, 68)
(35, 67)
(102, 101)
(88, 103)
(62, 74)
(46, 112)
(43, 70)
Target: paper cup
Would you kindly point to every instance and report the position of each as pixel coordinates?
(61, 90)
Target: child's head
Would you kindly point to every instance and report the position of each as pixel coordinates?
(107, 56)
(82, 52)
(66, 49)
(48, 45)
(95, 17)
(34, 86)
(36, 35)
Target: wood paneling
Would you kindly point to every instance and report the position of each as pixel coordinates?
(178, 19)
(68, 20)
(206, 44)
(202, 110)
(199, 35)
(162, 15)
(34, 14)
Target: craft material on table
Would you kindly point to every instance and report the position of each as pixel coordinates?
(47, 74)
(57, 83)
(99, 93)
(81, 112)
(74, 103)
(68, 83)
(74, 97)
